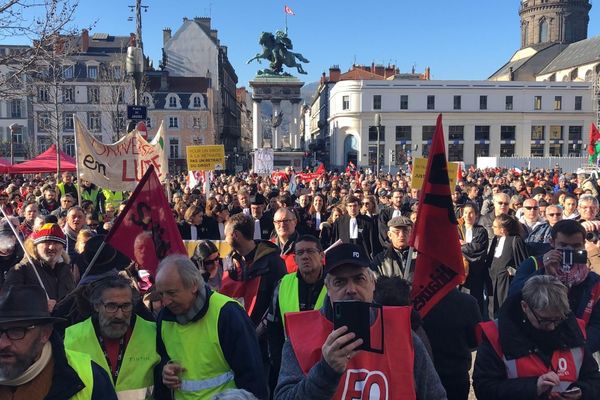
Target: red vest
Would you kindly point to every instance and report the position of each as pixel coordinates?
(290, 262)
(566, 363)
(390, 374)
(587, 312)
(243, 291)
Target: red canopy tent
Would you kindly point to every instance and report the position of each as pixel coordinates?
(45, 162)
(4, 165)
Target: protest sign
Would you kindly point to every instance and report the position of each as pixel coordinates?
(263, 161)
(205, 158)
(418, 173)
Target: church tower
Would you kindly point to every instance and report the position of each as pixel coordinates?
(553, 21)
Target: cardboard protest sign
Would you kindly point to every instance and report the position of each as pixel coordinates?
(418, 173)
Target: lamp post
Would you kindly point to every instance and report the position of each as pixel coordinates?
(13, 128)
(378, 126)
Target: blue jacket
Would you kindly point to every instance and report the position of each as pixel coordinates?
(579, 296)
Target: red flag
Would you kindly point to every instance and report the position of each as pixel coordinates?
(594, 137)
(321, 169)
(146, 230)
(288, 10)
(439, 266)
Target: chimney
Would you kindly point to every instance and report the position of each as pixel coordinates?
(85, 40)
(164, 84)
(203, 21)
(511, 74)
(132, 39)
(166, 35)
(427, 74)
(213, 34)
(379, 70)
(372, 67)
(334, 73)
(323, 78)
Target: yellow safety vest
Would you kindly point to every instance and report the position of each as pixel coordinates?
(288, 296)
(82, 364)
(136, 379)
(196, 346)
(92, 196)
(114, 198)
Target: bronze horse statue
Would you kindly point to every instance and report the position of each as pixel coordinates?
(277, 50)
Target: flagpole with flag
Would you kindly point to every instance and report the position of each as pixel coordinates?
(287, 11)
(439, 266)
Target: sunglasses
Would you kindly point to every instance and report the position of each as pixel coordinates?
(554, 214)
(529, 208)
(502, 203)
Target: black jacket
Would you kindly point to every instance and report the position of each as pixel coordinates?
(389, 263)
(58, 281)
(367, 235)
(519, 339)
(65, 381)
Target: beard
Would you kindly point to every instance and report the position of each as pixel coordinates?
(21, 361)
(113, 328)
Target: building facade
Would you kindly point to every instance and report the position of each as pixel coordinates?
(481, 118)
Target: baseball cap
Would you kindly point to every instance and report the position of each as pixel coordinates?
(399, 221)
(343, 254)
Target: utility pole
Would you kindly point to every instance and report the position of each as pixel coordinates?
(138, 7)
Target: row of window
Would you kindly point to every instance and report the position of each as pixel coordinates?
(115, 73)
(482, 132)
(93, 94)
(457, 102)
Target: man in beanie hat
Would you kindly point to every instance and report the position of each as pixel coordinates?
(33, 362)
(46, 249)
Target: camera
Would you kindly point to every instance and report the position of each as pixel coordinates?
(593, 236)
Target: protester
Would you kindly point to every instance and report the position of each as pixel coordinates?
(74, 223)
(48, 203)
(207, 259)
(66, 202)
(385, 215)
(535, 349)
(205, 334)
(190, 228)
(34, 363)
(66, 185)
(263, 221)
(356, 229)
(318, 362)
(118, 340)
(393, 260)
(285, 236)
(501, 206)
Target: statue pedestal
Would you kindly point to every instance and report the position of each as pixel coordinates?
(276, 88)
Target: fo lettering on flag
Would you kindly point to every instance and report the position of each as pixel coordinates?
(146, 230)
(288, 10)
(439, 265)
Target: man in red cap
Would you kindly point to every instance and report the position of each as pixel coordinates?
(46, 248)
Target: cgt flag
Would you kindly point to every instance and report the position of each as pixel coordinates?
(146, 231)
(439, 266)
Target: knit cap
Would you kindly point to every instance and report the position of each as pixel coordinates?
(49, 232)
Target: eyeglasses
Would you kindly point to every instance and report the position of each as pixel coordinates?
(16, 333)
(366, 203)
(113, 307)
(529, 208)
(306, 251)
(554, 214)
(502, 203)
(282, 221)
(546, 321)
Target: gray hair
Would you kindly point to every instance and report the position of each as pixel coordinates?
(114, 282)
(235, 394)
(502, 195)
(188, 272)
(370, 273)
(542, 292)
(588, 198)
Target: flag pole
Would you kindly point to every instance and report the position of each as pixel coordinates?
(91, 264)
(37, 275)
(408, 265)
(78, 183)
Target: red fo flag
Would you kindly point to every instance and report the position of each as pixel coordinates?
(439, 266)
(288, 10)
(146, 230)
(594, 137)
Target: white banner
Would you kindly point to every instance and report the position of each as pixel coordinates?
(121, 165)
(263, 161)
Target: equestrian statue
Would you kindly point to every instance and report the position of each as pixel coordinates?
(277, 49)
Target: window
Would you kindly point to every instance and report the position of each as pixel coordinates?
(43, 95)
(508, 133)
(377, 102)
(456, 136)
(43, 120)
(345, 102)
(68, 121)
(172, 101)
(507, 149)
(482, 132)
(457, 102)
(93, 121)
(575, 133)
(197, 121)
(556, 132)
(543, 31)
(118, 122)
(173, 147)
(93, 95)
(537, 102)
(483, 102)
(537, 141)
(558, 102)
(576, 145)
(373, 133)
(69, 145)
(578, 101)
(556, 135)
(404, 102)
(117, 72)
(197, 102)
(68, 94)
(17, 135)
(373, 155)
(508, 103)
(403, 133)
(431, 102)
(427, 137)
(456, 132)
(401, 153)
(43, 143)
(482, 150)
(15, 108)
(92, 72)
(118, 94)
(68, 72)
(173, 122)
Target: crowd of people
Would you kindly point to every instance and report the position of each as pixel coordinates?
(226, 326)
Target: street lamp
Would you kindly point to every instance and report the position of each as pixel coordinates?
(13, 128)
(378, 126)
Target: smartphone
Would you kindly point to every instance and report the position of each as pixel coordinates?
(571, 257)
(572, 391)
(356, 315)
